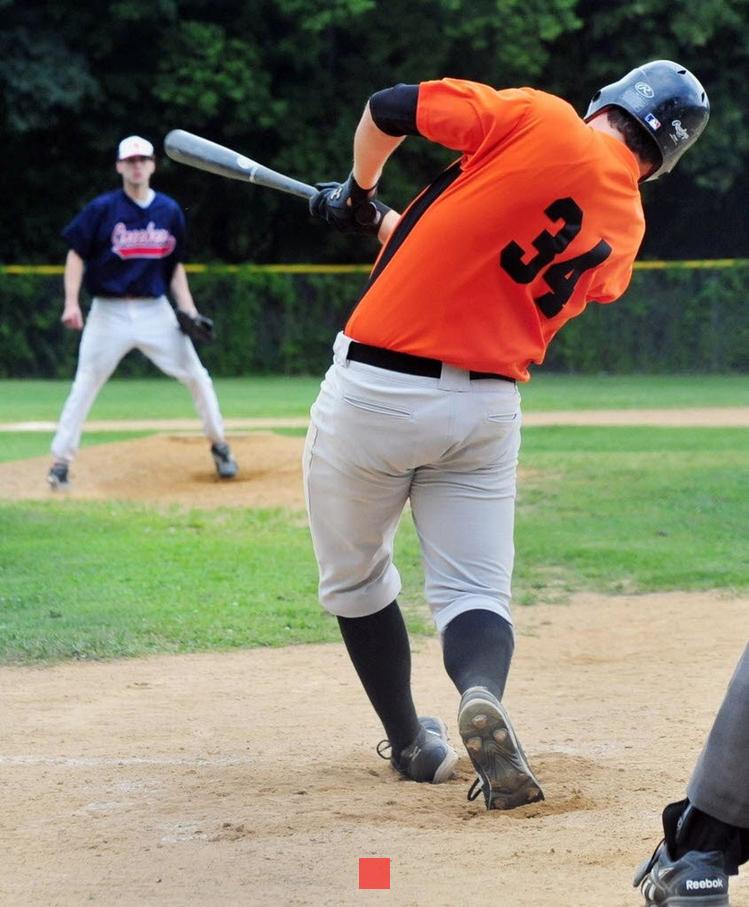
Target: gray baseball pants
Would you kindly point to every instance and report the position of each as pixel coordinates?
(380, 439)
(720, 783)
(113, 328)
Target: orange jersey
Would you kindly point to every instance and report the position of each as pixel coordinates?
(541, 215)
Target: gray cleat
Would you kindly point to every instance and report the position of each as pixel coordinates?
(58, 477)
(226, 465)
(430, 758)
(696, 879)
(504, 776)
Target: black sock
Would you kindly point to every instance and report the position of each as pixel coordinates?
(379, 649)
(687, 828)
(477, 649)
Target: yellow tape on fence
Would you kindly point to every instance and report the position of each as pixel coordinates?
(195, 268)
(691, 264)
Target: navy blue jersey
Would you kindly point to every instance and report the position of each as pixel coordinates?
(128, 250)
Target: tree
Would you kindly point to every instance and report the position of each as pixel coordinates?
(285, 81)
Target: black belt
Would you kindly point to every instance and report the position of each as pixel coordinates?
(406, 363)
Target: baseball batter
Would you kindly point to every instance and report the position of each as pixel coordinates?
(707, 835)
(127, 245)
(540, 215)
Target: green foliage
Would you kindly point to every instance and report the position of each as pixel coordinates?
(284, 81)
(41, 77)
(670, 320)
(208, 77)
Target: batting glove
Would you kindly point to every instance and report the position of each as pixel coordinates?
(364, 214)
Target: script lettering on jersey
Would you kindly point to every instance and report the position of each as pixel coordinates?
(561, 276)
(148, 242)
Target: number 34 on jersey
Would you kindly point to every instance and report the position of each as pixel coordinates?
(561, 276)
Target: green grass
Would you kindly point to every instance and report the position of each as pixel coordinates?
(99, 580)
(161, 398)
(274, 396)
(547, 391)
(600, 509)
(22, 445)
(637, 509)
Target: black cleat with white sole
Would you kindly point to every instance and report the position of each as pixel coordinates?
(429, 759)
(226, 465)
(58, 477)
(504, 776)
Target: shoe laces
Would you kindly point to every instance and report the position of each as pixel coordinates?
(475, 789)
(384, 749)
(646, 868)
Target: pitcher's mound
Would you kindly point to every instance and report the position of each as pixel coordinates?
(170, 469)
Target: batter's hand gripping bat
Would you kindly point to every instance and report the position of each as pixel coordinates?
(196, 151)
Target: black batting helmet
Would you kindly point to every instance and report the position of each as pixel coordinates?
(667, 100)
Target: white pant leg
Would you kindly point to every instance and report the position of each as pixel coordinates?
(354, 502)
(377, 437)
(464, 509)
(106, 338)
(159, 337)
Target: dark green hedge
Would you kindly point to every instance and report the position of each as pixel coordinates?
(674, 320)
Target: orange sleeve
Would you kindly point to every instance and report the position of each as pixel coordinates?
(462, 115)
(612, 283)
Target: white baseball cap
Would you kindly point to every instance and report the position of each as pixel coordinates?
(134, 146)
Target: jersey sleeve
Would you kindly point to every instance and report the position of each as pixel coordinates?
(81, 231)
(468, 116)
(612, 283)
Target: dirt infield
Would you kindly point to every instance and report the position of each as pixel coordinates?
(170, 469)
(250, 778)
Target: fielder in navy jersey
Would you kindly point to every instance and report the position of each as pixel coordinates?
(126, 247)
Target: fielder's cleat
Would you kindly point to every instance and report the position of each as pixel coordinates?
(58, 477)
(504, 776)
(226, 465)
(430, 758)
(696, 879)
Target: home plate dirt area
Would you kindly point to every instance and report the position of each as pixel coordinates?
(251, 777)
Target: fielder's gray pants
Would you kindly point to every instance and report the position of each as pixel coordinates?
(113, 328)
(720, 783)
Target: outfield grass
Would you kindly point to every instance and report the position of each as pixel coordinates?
(161, 398)
(274, 396)
(601, 509)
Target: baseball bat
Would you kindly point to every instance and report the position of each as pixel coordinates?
(196, 151)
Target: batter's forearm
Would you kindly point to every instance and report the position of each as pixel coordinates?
(372, 148)
(180, 290)
(73, 277)
(389, 223)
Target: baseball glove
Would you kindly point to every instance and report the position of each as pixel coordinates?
(197, 327)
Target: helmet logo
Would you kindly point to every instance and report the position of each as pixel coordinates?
(645, 90)
(679, 134)
(652, 121)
